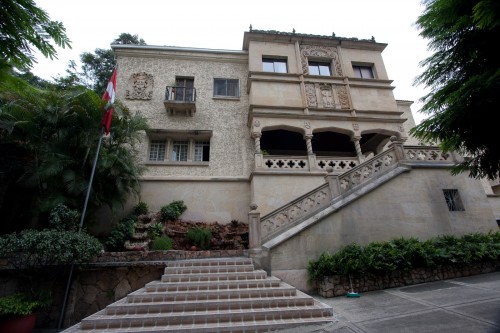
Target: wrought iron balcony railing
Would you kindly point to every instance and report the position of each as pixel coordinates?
(180, 100)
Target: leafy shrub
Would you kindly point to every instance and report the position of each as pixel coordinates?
(120, 233)
(155, 230)
(21, 304)
(381, 258)
(161, 244)
(64, 218)
(173, 210)
(36, 249)
(200, 237)
(141, 208)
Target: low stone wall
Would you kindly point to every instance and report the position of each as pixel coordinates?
(332, 286)
(107, 279)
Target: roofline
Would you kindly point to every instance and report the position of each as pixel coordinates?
(174, 49)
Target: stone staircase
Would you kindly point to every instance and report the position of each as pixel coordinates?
(209, 295)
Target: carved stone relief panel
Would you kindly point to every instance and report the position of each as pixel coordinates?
(140, 86)
(323, 52)
(311, 95)
(326, 93)
(343, 97)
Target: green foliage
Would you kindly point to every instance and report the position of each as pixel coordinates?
(380, 258)
(161, 244)
(21, 304)
(62, 218)
(173, 210)
(120, 233)
(26, 27)
(141, 208)
(33, 249)
(463, 78)
(57, 133)
(200, 237)
(155, 230)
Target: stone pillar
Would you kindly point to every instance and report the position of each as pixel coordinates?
(357, 146)
(256, 136)
(399, 150)
(308, 138)
(333, 182)
(254, 235)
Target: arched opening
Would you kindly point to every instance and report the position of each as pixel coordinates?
(283, 142)
(333, 144)
(373, 142)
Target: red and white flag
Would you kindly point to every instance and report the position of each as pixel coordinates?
(109, 96)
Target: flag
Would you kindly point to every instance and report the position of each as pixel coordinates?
(109, 96)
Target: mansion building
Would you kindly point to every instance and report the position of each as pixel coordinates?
(301, 137)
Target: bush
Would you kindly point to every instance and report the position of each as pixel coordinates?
(33, 249)
(200, 237)
(380, 258)
(64, 218)
(161, 244)
(173, 210)
(20, 304)
(141, 208)
(155, 230)
(121, 233)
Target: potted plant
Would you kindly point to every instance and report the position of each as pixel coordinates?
(18, 312)
(37, 258)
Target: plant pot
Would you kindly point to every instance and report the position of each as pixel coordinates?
(18, 324)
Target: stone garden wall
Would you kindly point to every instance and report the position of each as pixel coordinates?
(333, 286)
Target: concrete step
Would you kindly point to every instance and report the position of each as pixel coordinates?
(210, 295)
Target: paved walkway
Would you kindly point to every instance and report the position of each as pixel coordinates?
(463, 305)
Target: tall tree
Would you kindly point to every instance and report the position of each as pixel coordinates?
(463, 75)
(54, 134)
(98, 66)
(23, 28)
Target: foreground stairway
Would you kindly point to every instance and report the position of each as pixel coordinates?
(209, 295)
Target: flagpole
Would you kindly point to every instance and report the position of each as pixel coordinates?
(82, 218)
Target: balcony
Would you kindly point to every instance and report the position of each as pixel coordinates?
(180, 100)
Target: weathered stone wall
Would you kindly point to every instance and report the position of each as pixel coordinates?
(333, 286)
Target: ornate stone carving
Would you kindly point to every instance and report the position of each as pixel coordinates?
(355, 126)
(307, 124)
(327, 96)
(343, 97)
(311, 95)
(323, 52)
(140, 86)
(256, 123)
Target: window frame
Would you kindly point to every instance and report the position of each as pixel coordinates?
(179, 147)
(358, 68)
(453, 200)
(274, 61)
(319, 64)
(226, 84)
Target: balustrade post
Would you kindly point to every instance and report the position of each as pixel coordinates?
(254, 234)
(399, 149)
(333, 182)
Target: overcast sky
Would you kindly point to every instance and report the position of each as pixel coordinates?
(220, 24)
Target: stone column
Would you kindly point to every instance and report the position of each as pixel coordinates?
(308, 138)
(358, 148)
(256, 136)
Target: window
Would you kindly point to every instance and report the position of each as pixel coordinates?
(226, 87)
(319, 68)
(180, 151)
(202, 151)
(184, 89)
(180, 147)
(157, 150)
(364, 72)
(274, 65)
(453, 200)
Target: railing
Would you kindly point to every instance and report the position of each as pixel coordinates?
(338, 165)
(292, 214)
(285, 162)
(180, 94)
(307, 163)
